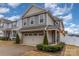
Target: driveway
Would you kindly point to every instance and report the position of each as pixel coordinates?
(13, 50)
(8, 48)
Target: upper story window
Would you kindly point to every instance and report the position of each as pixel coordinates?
(14, 24)
(1, 25)
(25, 21)
(32, 20)
(41, 18)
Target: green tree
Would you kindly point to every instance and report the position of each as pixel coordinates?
(45, 41)
(17, 39)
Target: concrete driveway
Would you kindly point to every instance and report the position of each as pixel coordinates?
(8, 48)
(13, 50)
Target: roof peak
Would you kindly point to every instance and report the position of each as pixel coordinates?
(33, 4)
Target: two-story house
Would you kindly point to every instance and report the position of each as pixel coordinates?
(9, 28)
(35, 22)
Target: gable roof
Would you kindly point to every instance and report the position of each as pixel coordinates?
(31, 7)
(4, 20)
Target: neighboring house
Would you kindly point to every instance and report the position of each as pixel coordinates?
(9, 28)
(1, 34)
(35, 22)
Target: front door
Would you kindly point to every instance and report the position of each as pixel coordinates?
(53, 37)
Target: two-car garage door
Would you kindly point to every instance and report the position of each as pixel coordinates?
(33, 38)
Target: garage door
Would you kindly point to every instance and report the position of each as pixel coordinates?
(32, 39)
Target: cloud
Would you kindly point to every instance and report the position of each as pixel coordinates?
(72, 28)
(14, 4)
(1, 16)
(67, 17)
(13, 17)
(50, 5)
(57, 10)
(4, 9)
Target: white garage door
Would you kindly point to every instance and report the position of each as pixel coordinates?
(32, 39)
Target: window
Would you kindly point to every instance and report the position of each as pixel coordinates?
(1, 25)
(24, 23)
(35, 34)
(14, 33)
(32, 20)
(41, 33)
(26, 34)
(41, 18)
(30, 34)
(14, 25)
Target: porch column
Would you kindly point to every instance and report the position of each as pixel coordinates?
(11, 34)
(21, 38)
(56, 37)
(5, 33)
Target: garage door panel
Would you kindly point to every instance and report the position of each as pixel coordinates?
(38, 40)
(32, 40)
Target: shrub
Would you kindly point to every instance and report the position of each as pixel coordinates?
(45, 41)
(4, 38)
(50, 48)
(1, 38)
(17, 39)
(39, 46)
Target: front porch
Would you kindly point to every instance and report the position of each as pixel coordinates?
(53, 36)
(10, 34)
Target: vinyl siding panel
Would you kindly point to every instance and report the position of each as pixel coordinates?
(49, 20)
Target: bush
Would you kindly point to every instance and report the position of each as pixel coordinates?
(50, 48)
(45, 41)
(17, 39)
(4, 38)
(39, 46)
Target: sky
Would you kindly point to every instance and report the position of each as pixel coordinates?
(68, 12)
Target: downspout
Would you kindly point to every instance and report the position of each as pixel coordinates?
(45, 32)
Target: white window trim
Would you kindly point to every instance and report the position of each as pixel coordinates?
(32, 18)
(40, 18)
(25, 21)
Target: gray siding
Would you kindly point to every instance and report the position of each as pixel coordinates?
(36, 21)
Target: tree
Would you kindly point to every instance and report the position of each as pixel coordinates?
(45, 41)
(17, 39)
